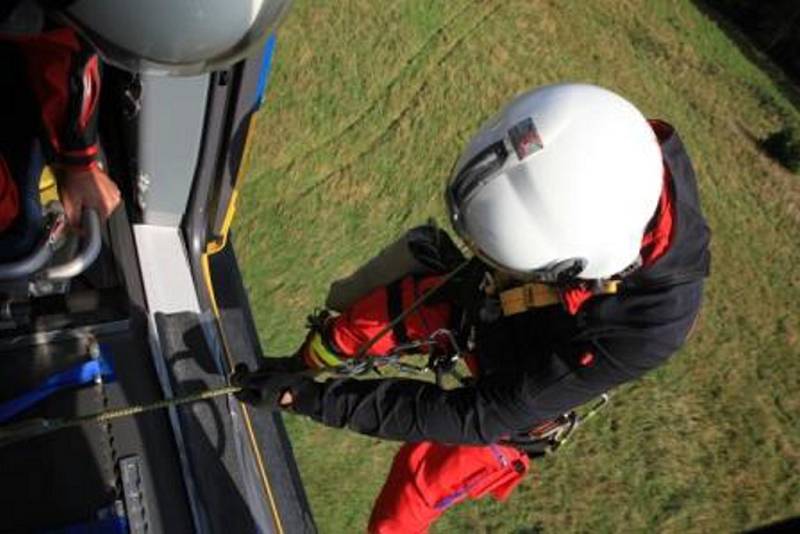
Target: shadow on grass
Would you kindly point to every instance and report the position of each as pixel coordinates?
(758, 144)
(788, 525)
(787, 82)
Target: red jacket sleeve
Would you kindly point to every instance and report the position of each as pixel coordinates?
(9, 196)
(64, 75)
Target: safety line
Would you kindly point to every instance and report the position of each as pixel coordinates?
(254, 445)
(362, 351)
(36, 427)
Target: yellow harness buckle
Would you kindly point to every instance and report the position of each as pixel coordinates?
(525, 297)
(535, 295)
(608, 287)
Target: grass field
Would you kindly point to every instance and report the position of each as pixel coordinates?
(369, 105)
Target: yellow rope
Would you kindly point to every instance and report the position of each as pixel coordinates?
(36, 427)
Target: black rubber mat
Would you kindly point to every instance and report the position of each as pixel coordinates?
(67, 476)
(206, 427)
(236, 319)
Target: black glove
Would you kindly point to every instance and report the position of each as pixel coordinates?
(263, 387)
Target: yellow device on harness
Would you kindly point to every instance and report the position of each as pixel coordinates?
(48, 189)
(537, 295)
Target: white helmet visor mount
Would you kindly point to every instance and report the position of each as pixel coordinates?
(476, 174)
(555, 272)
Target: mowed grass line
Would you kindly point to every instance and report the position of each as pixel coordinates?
(370, 104)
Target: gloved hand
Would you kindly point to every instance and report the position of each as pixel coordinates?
(263, 387)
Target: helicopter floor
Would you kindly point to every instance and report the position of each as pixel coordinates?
(68, 476)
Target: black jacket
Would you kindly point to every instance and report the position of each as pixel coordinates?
(534, 366)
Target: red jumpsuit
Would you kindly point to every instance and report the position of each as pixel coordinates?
(62, 74)
(426, 478)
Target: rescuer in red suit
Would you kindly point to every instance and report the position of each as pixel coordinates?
(589, 253)
(49, 95)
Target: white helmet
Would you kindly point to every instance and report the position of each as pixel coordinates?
(178, 37)
(559, 184)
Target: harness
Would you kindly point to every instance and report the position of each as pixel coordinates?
(532, 295)
(443, 349)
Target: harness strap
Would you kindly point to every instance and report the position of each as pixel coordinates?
(77, 375)
(394, 302)
(525, 297)
(537, 295)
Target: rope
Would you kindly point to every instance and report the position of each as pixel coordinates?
(31, 428)
(408, 311)
(36, 427)
(136, 409)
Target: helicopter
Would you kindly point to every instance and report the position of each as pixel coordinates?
(149, 306)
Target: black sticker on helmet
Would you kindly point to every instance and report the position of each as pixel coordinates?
(524, 138)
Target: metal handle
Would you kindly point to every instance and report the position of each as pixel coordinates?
(90, 249)
(38, 257)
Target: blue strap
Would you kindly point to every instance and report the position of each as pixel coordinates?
(78, 375)
(110, 523)
(266, 67)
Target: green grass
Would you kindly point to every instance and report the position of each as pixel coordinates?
(369, 105)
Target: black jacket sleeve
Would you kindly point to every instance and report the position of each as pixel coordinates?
(651, 329)
(498, 407)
